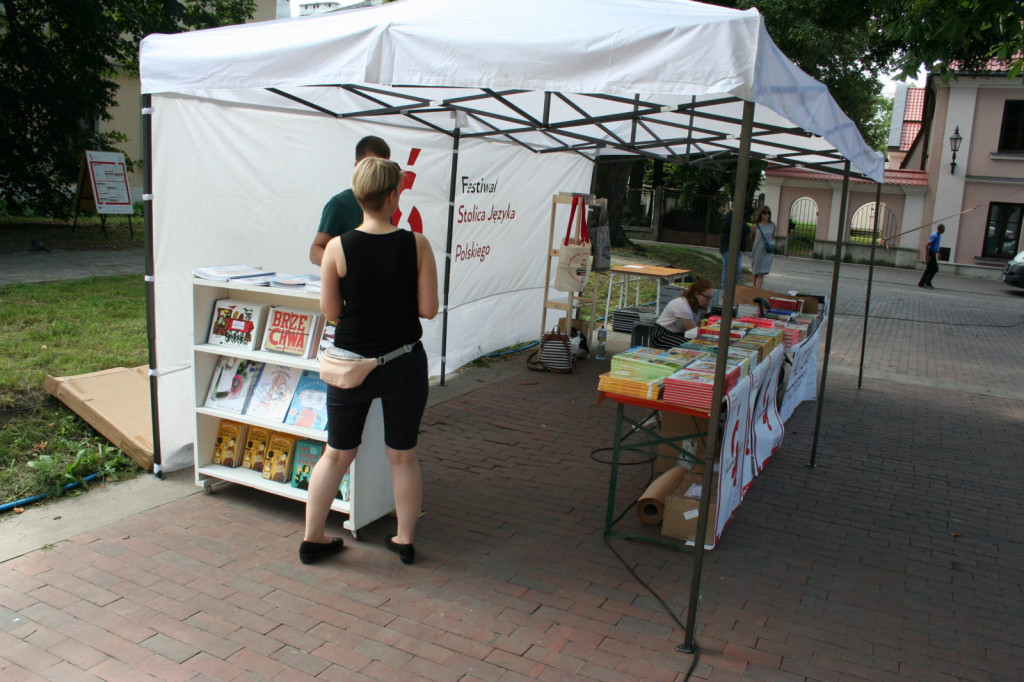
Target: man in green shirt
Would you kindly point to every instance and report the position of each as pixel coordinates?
(343, 213)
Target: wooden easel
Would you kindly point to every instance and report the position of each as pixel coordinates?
(574, 301)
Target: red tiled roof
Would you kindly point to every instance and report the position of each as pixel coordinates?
(893, 176)
(909, 134)
(913, 115)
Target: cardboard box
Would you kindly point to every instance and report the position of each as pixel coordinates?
(582, 325)
(682, 511)
(673, 424)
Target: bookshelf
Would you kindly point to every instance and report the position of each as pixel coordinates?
(370, 495)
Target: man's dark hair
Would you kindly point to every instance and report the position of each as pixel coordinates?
(371, 144)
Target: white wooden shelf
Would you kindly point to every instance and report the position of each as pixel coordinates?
(370, 492)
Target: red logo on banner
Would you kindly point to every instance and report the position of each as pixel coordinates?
(408, 178)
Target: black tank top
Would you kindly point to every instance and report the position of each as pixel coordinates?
(379, 290)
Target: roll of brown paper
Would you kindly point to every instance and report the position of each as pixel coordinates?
(651, 505)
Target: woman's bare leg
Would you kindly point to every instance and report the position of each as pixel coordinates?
(407, 483)
(323, 488)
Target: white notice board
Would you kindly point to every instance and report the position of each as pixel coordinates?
(108, 178)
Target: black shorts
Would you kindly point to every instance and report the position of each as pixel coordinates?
(402, 386)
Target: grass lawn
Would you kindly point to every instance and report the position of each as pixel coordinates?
(17, 234)
(63, 328)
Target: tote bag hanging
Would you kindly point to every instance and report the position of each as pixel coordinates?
(573, 267)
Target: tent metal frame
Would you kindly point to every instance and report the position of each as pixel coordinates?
(697, 139)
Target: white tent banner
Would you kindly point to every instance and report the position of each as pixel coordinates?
(240, 184)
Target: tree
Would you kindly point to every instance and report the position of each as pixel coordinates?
(945, 36)
(58, 61)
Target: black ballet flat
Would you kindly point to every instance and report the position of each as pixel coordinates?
(311, 552)
(407, 553)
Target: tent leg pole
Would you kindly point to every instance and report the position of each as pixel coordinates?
(712, 444)
(147, 222)
(448, 248)
(840, 240)
(871, 277)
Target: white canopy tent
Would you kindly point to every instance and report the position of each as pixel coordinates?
(249, 129)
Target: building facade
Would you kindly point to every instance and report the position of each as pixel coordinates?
(976, 192)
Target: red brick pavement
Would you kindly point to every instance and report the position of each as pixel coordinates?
(898, 557)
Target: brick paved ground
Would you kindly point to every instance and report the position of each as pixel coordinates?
(898, 556)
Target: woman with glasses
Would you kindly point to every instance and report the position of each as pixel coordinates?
(764, 245)
(682, 314)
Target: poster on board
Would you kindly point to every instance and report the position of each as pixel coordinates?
(108, 182)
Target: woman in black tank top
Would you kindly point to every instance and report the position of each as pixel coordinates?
(378, 281)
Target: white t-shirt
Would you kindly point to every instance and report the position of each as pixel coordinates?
(678, 309)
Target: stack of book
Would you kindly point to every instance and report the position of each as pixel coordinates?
(772, 338)
(794, 305)
(632, 383)
(640, 371)
(294, 282)
(244, 274)
(690, 388)
(733, 370)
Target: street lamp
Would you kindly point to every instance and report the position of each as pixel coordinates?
(954, 144)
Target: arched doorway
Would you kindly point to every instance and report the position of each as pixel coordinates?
(862, 225)
(803, 227)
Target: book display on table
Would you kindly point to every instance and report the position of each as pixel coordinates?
(255, 367)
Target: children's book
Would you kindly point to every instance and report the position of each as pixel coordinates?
(326, 338)
(345, 489)
(277, 464)
(256, 443)
(227, 447)
(309, 406)
(292, 331)
(237, 324)
(273, 392)
(307, 452)
(232, 384)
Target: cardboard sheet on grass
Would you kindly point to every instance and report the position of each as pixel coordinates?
(116, 403)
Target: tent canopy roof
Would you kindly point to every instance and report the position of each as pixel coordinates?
(659, 78)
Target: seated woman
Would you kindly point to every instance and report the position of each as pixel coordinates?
(682, 314)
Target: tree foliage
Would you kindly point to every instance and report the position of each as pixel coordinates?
(58, 62)
(946, 36)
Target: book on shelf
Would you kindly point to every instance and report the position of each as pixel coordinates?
(228, 444)
(226, 273)
(292, 331)
(232, 383)
(309, 405)
(273, 392)
(277, 463)
(345, 489)
(284, 281)
(326, 338)
(307, 452)
(256, 442)
(236, 324)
